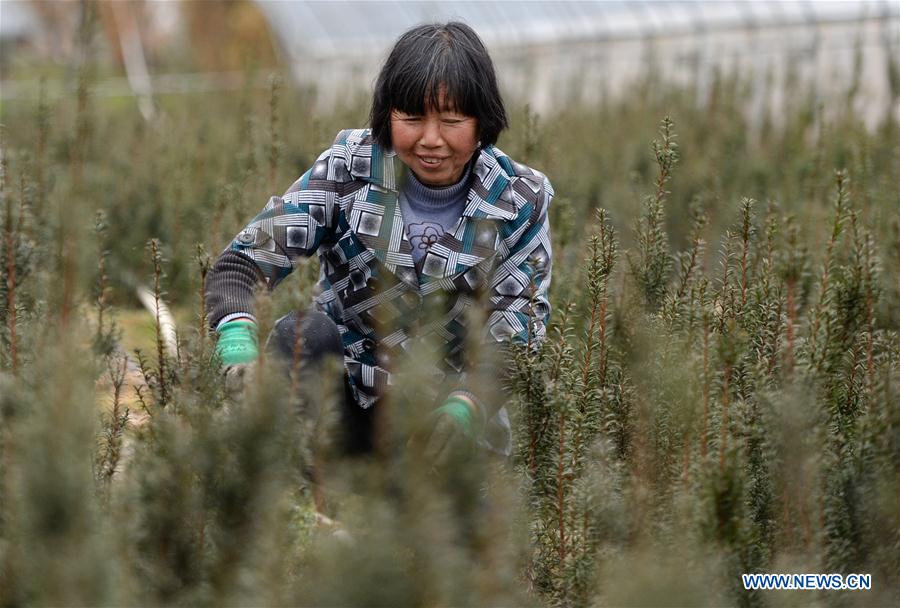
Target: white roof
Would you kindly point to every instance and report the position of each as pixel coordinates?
(16, 20)
(353, 27)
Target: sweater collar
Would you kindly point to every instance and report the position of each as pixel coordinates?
(489, 196)
(435, 197)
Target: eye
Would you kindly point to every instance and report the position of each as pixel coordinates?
(452, 121)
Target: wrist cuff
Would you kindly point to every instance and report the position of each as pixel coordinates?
(238, 342)
(233, 316)
(462, 410)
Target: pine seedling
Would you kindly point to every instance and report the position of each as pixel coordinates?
(276, 144)
(652, 267)
(106, 336)
(561, 353)
(204, 262)
(9, 248)
(502, 543)
(705, 321)
(755, 433)
(771, 233)
(84, 121)
(730, 347)
(845, 364)
(150, 384)
(879, 453)
(162, 373)
(722, 494)
(723, 519)
(857, 292)
(558, 507)
(565, 554)
(598, 287)
(19, 262)
(42, 118)
(706, 373)
(201, 461)
(726, 298)
(879, 438)
(888, 310)
(62, 552)
(842, 501)
(817, 344)
(114, 424)
(601, 522)
(253, 443)
(84, 130)
(618, 423)
(871, 289)
(534, 388)
(850, 289)
(543, 449)
(199, 382)
(689, 268)
(747, 234)
(166, 539)
(839, 361)
(535, 373)
(765, 309)
(11, 589)
(792, 268)
(594, 361)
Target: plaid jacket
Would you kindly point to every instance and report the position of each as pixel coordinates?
(345, 209)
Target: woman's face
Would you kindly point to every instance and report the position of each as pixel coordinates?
(436, 145)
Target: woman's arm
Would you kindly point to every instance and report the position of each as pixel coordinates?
(518, 304)
(289, 227)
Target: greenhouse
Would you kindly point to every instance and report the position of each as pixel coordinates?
(550, 51)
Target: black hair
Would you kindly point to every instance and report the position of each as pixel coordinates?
(428, 57)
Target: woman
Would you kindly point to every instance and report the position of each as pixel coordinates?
(421, 208)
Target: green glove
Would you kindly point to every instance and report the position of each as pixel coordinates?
(453, 431)
(238, 343)
(460, 411)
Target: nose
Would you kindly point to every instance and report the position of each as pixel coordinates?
(431, 133)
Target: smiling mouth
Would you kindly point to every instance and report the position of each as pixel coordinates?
(430, 161)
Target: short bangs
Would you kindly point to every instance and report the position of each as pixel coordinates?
(430, 57)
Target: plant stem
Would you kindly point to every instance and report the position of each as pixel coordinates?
(791, 320)
(705, 426)
(726, 401)
(10, 245)
(156, 256)
(561, 487)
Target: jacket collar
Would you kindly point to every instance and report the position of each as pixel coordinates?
(376, 219)
(489, 196)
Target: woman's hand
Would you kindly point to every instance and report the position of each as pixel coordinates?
(238, 348)
(452, 430)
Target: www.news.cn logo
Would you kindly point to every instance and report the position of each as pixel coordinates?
(807, 581)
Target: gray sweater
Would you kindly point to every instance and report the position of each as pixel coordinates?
(430, 212)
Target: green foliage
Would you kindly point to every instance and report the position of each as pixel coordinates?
(684, 422)
(651, 270)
